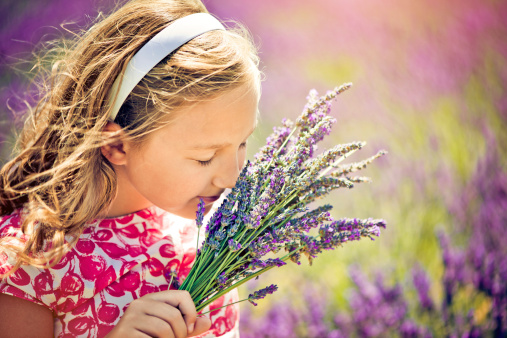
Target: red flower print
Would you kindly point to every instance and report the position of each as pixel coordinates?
(102, 235)
(72, 284)
(85, 246)
(125, 219)
(67, 306)
(13, 291)
(136, 250)
(215, 306)
(115, 289)
(173, 265)
(154, 266)
(121, 259)
(81, 309)
(145, 214)
(43, 284)
(130, 231)
(105, 279)
(64, 261)
(113, 250)
(231, 316)
(167, 250)
(127, 266)
(91, 266)
(187, 262)
(130, 281)
(108, 312)
(106, 223)
(20, 277)
(147, 288)
(150, 237)
(80, 325)
(219, 326)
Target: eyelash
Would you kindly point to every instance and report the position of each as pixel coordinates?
(208, 162)
(205, 163)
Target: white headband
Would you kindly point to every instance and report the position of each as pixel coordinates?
(164, 43)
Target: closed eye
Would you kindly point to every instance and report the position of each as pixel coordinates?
(205, 163)
(208, 162)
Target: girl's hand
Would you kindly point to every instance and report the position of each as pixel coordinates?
(161, 314)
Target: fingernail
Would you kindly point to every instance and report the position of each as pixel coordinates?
(191, 328)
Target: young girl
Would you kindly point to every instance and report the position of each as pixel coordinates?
(145, 115)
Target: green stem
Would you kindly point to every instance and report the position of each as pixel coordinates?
(194, 271)
(197, 245)
(283, 145)
(243, 281)
(239, 301)
(205, 287)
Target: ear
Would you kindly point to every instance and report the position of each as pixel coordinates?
(116, 148)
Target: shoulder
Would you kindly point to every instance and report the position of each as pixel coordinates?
(22, 314)
(23, 318)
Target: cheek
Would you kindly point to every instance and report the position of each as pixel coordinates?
(161, 178)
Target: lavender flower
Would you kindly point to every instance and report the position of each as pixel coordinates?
(422, 285)
(260, 294)
(222, 280)
(199, 213)
(234, 245)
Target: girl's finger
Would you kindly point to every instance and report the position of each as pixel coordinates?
(154, 327)
(170, 315)
(181, 300)
(202, 324)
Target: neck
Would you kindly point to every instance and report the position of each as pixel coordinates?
(127, 199)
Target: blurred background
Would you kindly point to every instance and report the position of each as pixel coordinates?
(430, 81)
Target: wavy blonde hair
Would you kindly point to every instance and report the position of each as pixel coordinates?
(58, 175)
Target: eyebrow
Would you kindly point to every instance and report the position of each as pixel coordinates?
(217, 145)
(209, 146)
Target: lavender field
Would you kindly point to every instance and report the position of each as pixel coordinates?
(430, 82)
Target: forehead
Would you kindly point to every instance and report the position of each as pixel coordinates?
(224, 119)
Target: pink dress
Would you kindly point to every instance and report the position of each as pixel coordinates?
(114, 262)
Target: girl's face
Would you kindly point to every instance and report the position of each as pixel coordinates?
(198, 155)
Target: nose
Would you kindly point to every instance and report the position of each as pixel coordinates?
(228, 173)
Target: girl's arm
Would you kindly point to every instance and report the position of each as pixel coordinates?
(22, 318)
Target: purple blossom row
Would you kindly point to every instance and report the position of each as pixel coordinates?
(377, 309)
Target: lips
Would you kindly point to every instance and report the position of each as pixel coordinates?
(209, 199)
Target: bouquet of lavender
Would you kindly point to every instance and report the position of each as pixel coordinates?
(267, 211)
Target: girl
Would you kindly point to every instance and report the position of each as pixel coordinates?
(146, 114)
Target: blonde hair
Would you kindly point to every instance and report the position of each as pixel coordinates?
(59, 176)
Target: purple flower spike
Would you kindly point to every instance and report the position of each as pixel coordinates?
(260, 294)
(199, 215)
(222, 279)
(422, 285)
(234, 245)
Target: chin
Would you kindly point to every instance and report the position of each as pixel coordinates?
(188, 211)
(207, 209)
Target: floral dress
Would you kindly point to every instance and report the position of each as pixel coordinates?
(114, 262)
